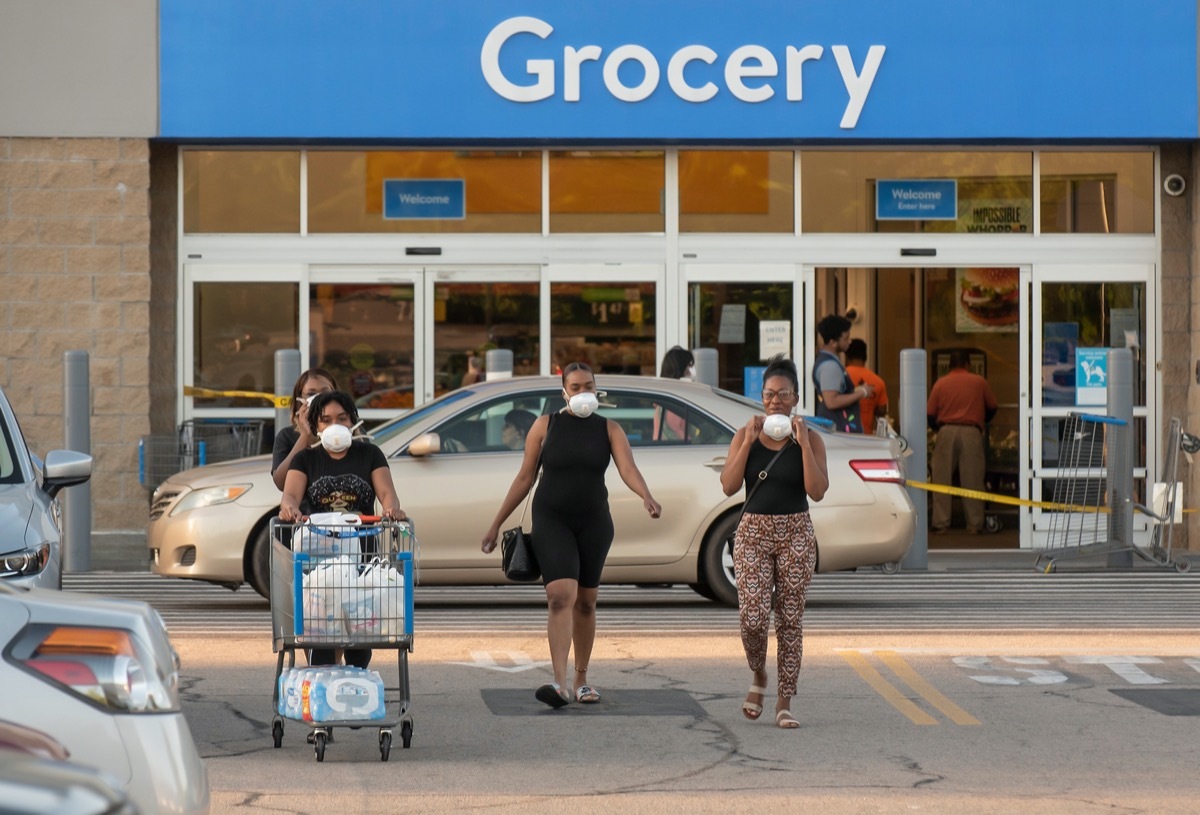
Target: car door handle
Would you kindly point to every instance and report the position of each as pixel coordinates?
(716, 463)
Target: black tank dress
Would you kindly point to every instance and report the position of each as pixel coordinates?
(572, 526)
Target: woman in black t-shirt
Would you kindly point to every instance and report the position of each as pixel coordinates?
(774, 548)
(339, 476)
(298, 436)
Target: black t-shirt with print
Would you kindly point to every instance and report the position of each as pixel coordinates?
(340, 485)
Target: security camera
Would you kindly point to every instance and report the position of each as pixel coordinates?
(1174, 184)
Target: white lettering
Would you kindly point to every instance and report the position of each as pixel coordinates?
(745, 62)
(1124, 667)
(736, 68)
(795, 65)
(417, 198)
(857, 85)
(675, 78)
(612, 66)
(543, 69)
(572, 59)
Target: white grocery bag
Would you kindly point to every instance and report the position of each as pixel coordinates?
(323, 596)
(326, 535)
(375, 607)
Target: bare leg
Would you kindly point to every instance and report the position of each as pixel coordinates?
(584, 634)
(560, 601)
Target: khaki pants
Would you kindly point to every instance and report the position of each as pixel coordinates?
(958, 447)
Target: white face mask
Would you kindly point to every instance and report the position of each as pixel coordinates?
(583, 404)
(336, 438)
(778, 426)
(689, 374)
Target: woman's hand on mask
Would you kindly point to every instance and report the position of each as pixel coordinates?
(799, 430)
(652, 506)
(753, 429)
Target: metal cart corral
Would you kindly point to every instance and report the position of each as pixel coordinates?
(339, 586)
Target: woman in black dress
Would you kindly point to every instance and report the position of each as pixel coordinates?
(573, 526)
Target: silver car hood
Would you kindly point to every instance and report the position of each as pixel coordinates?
(15, 509)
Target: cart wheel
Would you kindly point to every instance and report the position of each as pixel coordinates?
(319, 745)
(891, 567)
(991, 523)
(277, 732)
(1183, 566)
(406, 734)
(385, 744)
(1049, 568)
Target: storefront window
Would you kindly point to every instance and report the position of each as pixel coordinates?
(424, 191)
(238, 329)
(736, 191)
(241, 191)
(609, 325)
(1098, 192)
(363, 335)
(607, 191)
(993, 190)
(470, 319)
(747, 323)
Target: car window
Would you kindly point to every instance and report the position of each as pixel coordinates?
(652, 420)
(8, 456)
(398, 425)
(482, 429)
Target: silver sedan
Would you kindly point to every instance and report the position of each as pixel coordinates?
(452, 467)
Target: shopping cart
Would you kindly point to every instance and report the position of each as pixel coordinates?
(195, 444)
(1090, 506)
(337, 586)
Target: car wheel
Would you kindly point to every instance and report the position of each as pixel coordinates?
(258, 563)
(717, 561)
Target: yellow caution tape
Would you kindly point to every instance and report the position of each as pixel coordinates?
(208, 393)
(1007, 499)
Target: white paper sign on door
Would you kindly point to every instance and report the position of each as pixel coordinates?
(774, 337)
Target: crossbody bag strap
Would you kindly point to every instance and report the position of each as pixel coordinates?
(538, 472)
(762, 476)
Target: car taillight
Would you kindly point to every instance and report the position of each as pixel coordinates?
(884, 469)
(107, 666)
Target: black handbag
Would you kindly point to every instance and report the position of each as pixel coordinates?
(516, 545)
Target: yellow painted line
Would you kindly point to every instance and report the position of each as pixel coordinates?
(277, 401)
(931, 694)
(886, 689)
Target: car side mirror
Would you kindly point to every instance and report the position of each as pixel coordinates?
(425, 444)
(65, 468)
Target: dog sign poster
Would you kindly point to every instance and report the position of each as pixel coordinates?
(1091, 376)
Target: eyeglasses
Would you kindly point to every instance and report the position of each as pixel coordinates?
(784, 395)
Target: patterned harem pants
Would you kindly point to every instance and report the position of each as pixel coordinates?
(774, 554)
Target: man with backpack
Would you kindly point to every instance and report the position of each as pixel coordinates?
(837, 395)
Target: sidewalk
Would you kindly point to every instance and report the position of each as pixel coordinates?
(126, 552)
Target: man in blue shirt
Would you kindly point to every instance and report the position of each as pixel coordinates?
(837, 396)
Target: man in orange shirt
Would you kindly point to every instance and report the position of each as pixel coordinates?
(960, 405)
(875, 405)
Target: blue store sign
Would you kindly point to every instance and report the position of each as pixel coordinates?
(540, 70)
(1091, 376)
(418, 199)
(916, 200)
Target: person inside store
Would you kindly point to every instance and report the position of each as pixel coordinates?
(781, 465)
(341, 474)
(572, 522)
(474, 372)
(678, 363)
(517, 424)
(871, 407)
(295, 437)
(960, 405)
(837, 395)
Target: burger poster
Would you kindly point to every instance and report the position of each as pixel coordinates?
(987, 300)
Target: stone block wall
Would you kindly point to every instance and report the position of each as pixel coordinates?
(75, 275)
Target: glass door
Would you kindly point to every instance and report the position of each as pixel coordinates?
(365, 328)
(748, 313)
(1079, 315)
(606, 315)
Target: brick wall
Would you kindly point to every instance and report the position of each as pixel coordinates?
(75, 274)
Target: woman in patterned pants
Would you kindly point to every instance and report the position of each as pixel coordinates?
(774, 549)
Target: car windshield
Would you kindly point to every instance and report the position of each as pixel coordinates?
(816, 421)
(8, 455)
(398, 425)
